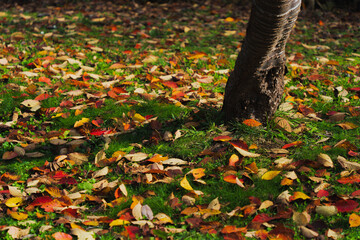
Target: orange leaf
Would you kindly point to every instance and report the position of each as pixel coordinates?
(61, 236)
(233, 160)
(42, 96)
(198, 173)
(81, 122)
(252, 167)
(230, 178)
(229, 19)
(286, 182)
(231, 229)
(157, 158)
(354, 220)
(299, 195)
(45, 80)
(251, 123)
(112, 94)
(54, 192)
(222, 138)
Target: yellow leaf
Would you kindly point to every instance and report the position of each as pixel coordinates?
(18, 215)
(299, 195)
(138, 117)
(270, 175)
(81, 122)
(354, 220)
(118, 222)
(185, 184)
(13, 202)
(209, 211)
(163, 218)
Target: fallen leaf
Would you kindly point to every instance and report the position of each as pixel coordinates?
(61, 236)
(82, 234)
(246, 153)
(222, 138)
(251, 123)
(175, 162)
(185, 184)
(299, 195)
(9, 155)
(18, 215)
(354, 220)
(214, 204)
(14, 202)
(346, 205)
(301, 219)
(283, 123)
(325, 160)
(308, 233)
(118, 222)
(147, 212)
(270, 175)
(163, 218)
(348, 165)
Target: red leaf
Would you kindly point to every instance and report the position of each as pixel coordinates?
(351, 179)
(240, 144)
(67, 103)
(41, 200)
(322, 193)
(59, 174)
(353, 154)
(70, 212)
(119, 90)
(346, 205)
(316, 77)
(356, 89)
(356, 193)
(262, 218)
(68, 180)
(222, 138)
(305, 110)
(170, 84)
(99, 132)
(45, 80)
(132, 231)
(42, 96)
(293, 144)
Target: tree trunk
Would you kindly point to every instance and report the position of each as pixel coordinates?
(255, 87)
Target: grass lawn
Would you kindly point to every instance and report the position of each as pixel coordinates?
(111, 126)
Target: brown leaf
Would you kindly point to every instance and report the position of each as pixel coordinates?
(352, 166)
(325, 160)
(283, 123)
(308, 233)
(301, 219)
(9, 155)
(78, 158)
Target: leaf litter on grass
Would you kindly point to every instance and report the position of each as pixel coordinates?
(115, 104)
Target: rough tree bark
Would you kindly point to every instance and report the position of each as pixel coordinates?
(255, 87)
